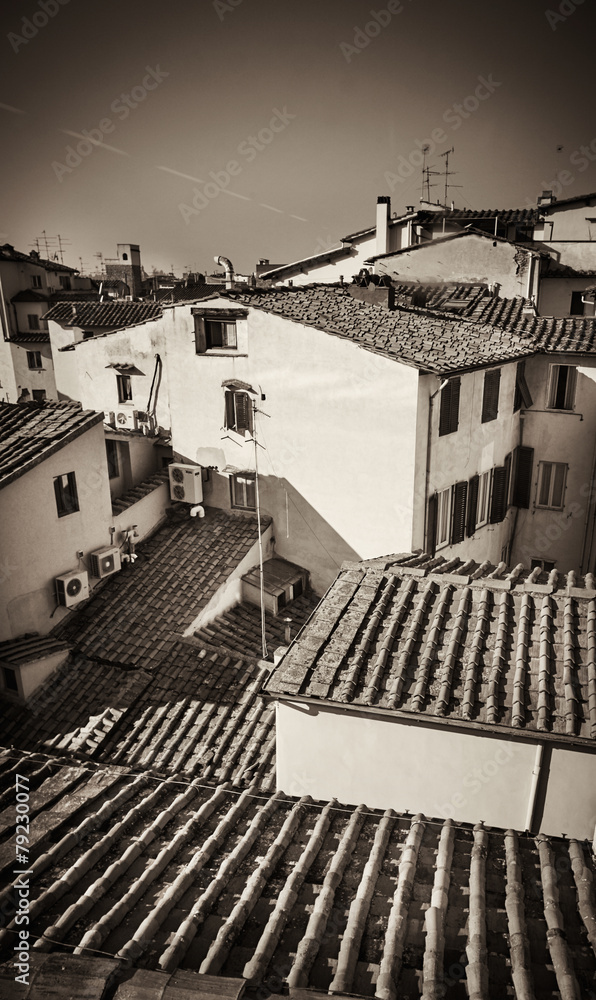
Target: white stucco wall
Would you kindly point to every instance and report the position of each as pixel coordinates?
(37, 545)
(471, 258)
(439, 771)
(337, 434)
(555, 296)
(34, 378)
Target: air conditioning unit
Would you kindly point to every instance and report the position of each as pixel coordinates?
(145, 422)
(126, 420)
(109, 417)
(186, 483)
(105, 561)
(72, 588)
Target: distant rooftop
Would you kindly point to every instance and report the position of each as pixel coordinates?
(10, 255)
(97, 315)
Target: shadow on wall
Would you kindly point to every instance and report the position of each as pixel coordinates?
(302, 535)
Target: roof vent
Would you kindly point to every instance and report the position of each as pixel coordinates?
(546, 198)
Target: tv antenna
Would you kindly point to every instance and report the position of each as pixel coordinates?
(448, 173)
(426, 176)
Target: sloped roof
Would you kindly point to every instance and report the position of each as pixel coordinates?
(563, 202)
(464, 642)
(31, 432)
(167, 873)
(506, 216)
(103, 314)
(430, 339)
(239, 629)
(29, 648)
(9, 254)
(326, 256)
(186, 293)
(532, 247)
(136, 493)
(31, 337)
(29, 295)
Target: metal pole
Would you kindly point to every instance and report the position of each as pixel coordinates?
(262, 591)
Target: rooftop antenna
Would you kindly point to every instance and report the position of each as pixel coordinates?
(448, 173)
(426, 175)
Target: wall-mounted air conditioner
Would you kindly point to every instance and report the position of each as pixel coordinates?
(104, 562)
(109, 417)
(145, 422)
(126, 420)
(186, 483)
(72, 588)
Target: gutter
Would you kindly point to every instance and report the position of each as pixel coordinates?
(534, 787)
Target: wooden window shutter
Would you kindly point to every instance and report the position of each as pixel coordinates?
(449, 413)
(498, 500)
(458, 520)
(243, 411)
(522, 395)
(490, 398)
(229, 415)
(200, 335)
(431, 525)
(522, 462)
(507, 466)
(472, 504)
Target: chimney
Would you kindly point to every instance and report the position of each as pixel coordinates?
(409, 209)
(546, 198)
(383, 216)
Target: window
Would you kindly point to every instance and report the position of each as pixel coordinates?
(65, 282)
(443, 517)
(561, 387)
(39, 395)
(482, 510)
(10, 679)
(458, 520)
(543, 564)
(551, 484)
(238, 413)
(65, 488)
(521, 396)
(112, 457)
(36, 281)
(34, 359)
(33, 321)
(243, 490)
(124, 388)
(577, 307)
(522, 462)
(490, 398)
(449, 415)
(215, 333)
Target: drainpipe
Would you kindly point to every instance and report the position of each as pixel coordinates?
(534, 787)
(587, 547)
(229, 268)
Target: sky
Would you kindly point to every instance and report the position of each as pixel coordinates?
(267, 128)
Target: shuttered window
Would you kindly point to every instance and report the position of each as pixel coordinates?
(490, 398)
(200, 336)
(521, 475)
(449, 414)
(498, 503)
(238, 411)
(431, 525)
(443, 533)
(472, 504)
(551, 485)
(458, 520)
(522, 395)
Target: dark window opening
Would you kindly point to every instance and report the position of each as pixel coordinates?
(449, 414)
(65, 282)
(490, 398)
(521, 396)
(39, 395)
(577, 307)
(36, 281)
(124, 388)
(34, 359)
(561, 393)
(112, 457)
(543, 564)
(65, 489)
(33, 320)
(521, 475)
(244, 491)
(10, 679)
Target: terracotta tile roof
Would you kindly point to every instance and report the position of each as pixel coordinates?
(136, 493)
(30, 648)
(9, 254)
(291, 894)
(301, 265)
(506, 216)
(239, 629)
(496, 330)
(185, 293)
(135, 616)
(460, 641)
(38, 337)
(31, 432)
(29, 295)
(532, 246)
(103, 314)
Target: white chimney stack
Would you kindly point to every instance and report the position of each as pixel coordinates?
(383, 216)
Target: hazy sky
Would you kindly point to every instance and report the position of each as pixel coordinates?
(313, 125)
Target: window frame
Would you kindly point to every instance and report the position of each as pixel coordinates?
(551, 485)
(553, 388)
(113, 460)
(35, 356)
(231, 422)
(39, 395)
(444, 513)
(66, 494)
(36, 281)
(65, 283)
(205, 322)
(35, 324)
(124, 386)
(490, 395)
(484, 498)
(243, 479)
